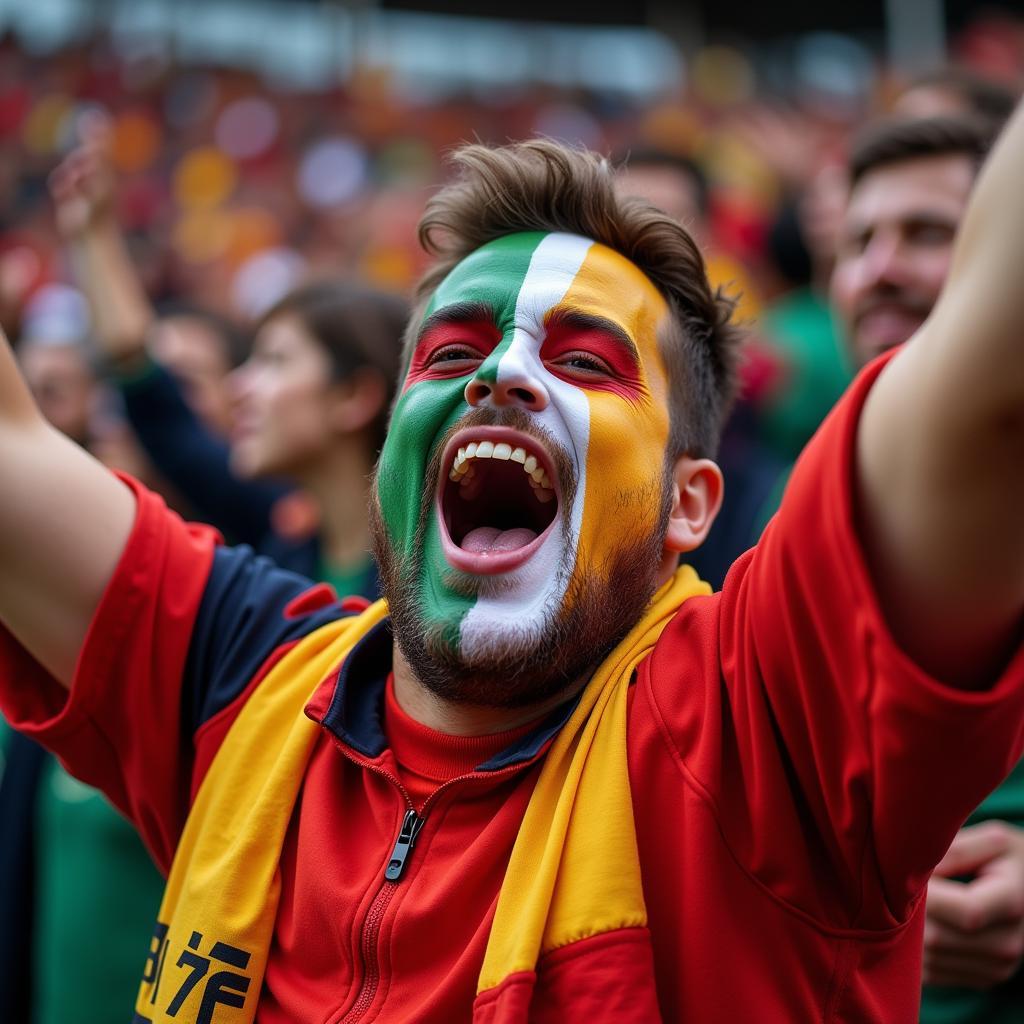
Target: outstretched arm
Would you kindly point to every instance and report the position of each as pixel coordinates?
(64, 521)
(941, 450)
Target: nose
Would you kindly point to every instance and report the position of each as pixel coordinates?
(513, 382)
(237, 383)
(883, 262)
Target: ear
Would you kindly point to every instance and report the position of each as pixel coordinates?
(697, 491)
(357, 400)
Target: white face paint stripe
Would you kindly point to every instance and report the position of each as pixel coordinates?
(541, 583)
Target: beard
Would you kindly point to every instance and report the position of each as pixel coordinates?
(518, 667)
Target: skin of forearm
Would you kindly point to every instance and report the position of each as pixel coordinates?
(121, 311)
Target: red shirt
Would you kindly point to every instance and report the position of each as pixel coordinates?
(794, 779)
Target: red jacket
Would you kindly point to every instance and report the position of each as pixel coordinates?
(794, 779)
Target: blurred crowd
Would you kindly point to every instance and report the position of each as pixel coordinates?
(230, 193)
(171, 236)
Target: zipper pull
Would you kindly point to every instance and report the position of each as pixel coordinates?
(411, 825)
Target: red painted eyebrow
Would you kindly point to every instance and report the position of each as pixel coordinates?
(575, 320)
(466, 323)
(569, 330)
(457, 313)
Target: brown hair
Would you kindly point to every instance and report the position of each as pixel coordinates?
(543, 186)
(357, 326)
(896, 139)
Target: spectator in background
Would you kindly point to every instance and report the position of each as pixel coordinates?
(336, 344)
(797, 325)
(677, 185)
(56, 363)
(910, 182)
(311, 404)
(955, 90)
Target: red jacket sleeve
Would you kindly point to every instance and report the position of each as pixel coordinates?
(838, 770)
(121, 720)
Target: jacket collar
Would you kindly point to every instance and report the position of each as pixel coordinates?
(348, 705)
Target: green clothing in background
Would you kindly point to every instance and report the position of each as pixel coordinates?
(346, 580)
(800, 330)
(96, 897)
(1003, 1004)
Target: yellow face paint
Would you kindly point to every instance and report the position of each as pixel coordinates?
(628, 436)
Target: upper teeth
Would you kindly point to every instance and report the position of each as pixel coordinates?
(462, 467)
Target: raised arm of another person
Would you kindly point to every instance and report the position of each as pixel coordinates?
(940, 459)
(64, 521)
(191, 457)
(83, 192)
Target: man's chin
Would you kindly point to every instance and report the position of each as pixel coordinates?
(878, 338)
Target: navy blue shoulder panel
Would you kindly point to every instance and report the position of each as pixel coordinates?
(248, 610)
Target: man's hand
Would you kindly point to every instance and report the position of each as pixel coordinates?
(82, 187)
(974, 930)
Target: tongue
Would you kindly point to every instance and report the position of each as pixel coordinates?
(489, 540)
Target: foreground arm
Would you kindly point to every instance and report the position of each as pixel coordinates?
(64, 521)
(941, 450)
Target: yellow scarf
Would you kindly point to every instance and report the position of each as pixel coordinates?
(574, 870)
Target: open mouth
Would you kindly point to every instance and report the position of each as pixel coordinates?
(497, 501)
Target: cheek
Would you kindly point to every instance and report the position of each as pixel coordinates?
(625, 460)
(842, 288)
(937, 271)
(423, 414)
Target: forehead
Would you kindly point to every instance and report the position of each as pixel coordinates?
(527, 276)
(910, 189)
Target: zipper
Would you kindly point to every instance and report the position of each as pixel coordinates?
(411, 825)
(393, 871)
(412, 822)
(368, 949)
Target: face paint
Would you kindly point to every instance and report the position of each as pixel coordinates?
(556, 336)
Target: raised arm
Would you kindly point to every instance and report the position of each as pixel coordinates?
(83, 193)
(180, 445)
(64, 521)
(941, 450)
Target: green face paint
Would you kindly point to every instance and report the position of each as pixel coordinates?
(492, 276)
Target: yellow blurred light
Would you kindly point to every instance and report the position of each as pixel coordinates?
(722, 76)
(203, 235)
(45, 123)
(204, 178)
(389, 266)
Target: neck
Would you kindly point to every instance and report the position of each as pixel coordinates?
(464, 719)
(340, 483)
